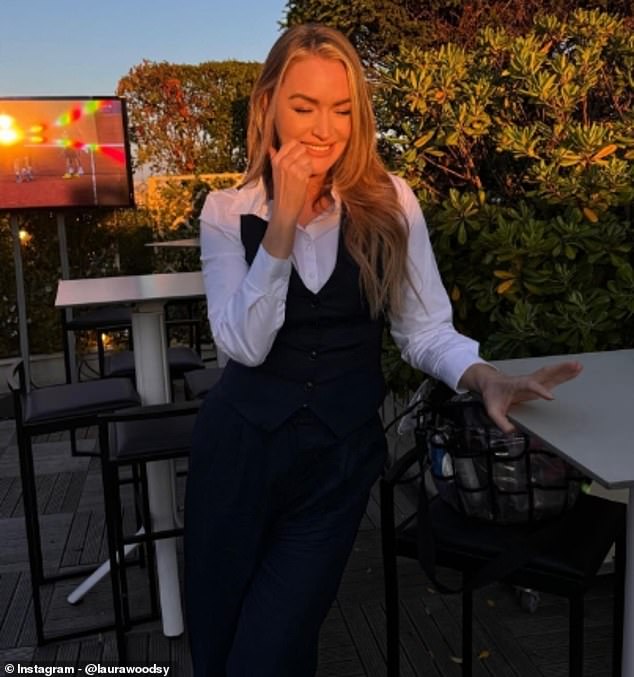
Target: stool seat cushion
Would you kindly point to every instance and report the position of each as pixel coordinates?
(106, 316)
(71, 400)
(199, 381)
(151, 439)
(181, 359)
(575, 551)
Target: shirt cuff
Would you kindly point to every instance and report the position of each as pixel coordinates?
(460, 369)
(270, 275)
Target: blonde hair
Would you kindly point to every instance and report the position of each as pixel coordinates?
(374, 230)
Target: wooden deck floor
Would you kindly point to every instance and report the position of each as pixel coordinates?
(510, 641)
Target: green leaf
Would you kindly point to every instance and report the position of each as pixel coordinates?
(422, 140)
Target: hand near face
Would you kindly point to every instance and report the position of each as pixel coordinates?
(292, 169)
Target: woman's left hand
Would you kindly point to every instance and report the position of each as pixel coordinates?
(499, 391)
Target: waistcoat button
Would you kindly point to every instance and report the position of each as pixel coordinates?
(308, 386)
(313, 354)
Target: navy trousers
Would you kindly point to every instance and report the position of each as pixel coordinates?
(270, 521)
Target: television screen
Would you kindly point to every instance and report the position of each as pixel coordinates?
(64, 152)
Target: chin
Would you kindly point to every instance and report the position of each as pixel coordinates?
(322, 168)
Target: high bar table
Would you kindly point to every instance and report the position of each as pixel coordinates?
(591, 424)
(148, 293)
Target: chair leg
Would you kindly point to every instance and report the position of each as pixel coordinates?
(390, 578)
(120, 545)
(392, 620)
(32, 526)
(467, 631)
(619, 600)
(146, 545)
(109, 482)
(101, 353)
(73, 442)
(66, 349)
(138, 509)
(575, 648)
(149, 545)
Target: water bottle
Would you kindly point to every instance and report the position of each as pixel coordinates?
(441, 466)
(440, 459)
(511, 491)
(471, 472)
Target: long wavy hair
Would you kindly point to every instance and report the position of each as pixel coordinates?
(375, 231)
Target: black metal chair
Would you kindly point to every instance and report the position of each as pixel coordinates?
(133, 438)
(181, 317)
(181, 359)
(46, 410)
(566, 566)
(199, 381)
(102, 320)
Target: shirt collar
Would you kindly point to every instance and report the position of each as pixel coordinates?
(252, 199)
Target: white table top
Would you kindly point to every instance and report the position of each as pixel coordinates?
(129, 289)
(188, 242)
(591, 420)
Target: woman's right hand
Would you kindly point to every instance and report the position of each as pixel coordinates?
(292, 169)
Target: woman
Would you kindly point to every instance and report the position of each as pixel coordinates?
(301, 263)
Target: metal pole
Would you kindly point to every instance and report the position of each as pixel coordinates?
(21, 300)
(627, 660)
(63, 247)
(93, 174)
(68, 312)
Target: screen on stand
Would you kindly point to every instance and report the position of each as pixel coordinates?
(64, 152)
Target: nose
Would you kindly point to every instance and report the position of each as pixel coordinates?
(323, 125)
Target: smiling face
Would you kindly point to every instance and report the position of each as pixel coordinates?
(313, 107)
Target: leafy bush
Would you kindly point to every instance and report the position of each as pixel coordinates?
(377, 28)
(94, 242)
(189, 118)
(521, 152)
(174, 204)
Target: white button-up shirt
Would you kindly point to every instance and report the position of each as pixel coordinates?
(247, 303)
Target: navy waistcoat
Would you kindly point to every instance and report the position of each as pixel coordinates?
(325, 357)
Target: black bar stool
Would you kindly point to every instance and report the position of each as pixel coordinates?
(133, 438)
(101, 321)
(567, 567)
(199, 381)
(51, 409)
(179, 315)
(180, 359)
